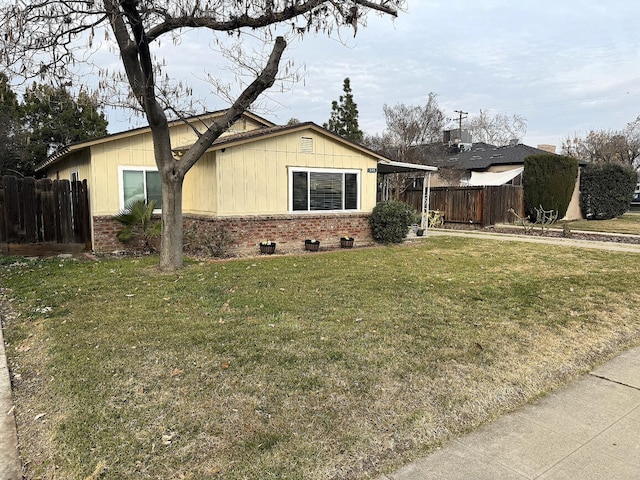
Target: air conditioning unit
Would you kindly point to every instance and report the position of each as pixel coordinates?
(464, 147)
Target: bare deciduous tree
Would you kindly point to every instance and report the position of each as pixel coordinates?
(413, 135)
(607, 146)
(411, 125)
(48, 39)
(498, 130)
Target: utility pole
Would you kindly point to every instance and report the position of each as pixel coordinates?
(461, 116)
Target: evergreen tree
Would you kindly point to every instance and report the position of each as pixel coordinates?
(344, 116)
(11, 134)
(54, 118)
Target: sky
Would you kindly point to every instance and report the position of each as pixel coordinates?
(566, 66)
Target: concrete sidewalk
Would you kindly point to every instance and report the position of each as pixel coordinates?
(10, 465)
(588, 430)
(566, 242)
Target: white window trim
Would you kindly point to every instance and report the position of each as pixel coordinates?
(121, 170)
(343, 171)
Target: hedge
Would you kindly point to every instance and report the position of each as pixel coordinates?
(549, 180)
(606, 190)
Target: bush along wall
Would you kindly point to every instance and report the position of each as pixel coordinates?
(548, 180)
(390, 221)
(606, 190)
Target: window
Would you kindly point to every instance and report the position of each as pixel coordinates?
(323, 190)
(140, 184)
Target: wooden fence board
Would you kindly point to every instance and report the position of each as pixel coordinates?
(28, 209)
(53, 213)
(47, 200)
(482, 206)
(11, 208)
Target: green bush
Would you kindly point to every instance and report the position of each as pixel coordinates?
(548, 181)
(138, 223)
(390, 221)
(606, 190)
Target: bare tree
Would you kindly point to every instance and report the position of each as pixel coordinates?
(47, 38)
(411, 125)
(607, 146)
(413, 135)
(498, 130)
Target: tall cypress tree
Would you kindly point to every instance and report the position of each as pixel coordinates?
(344, 116)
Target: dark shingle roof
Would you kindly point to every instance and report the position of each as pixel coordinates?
(481, 156)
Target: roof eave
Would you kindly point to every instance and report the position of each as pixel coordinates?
(243, 138)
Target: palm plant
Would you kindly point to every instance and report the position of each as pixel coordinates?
(137, 221)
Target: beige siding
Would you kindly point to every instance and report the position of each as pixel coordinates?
(254, 178)
(438, 181)
(199, 189)
(102, 172)
(134, 151)
(574, 212)
(77, 162)
(503, 168)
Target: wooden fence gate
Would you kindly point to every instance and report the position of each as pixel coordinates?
(41, 217)
(482, 206)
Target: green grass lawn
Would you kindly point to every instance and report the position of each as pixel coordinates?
(627, 223)
(338, 365)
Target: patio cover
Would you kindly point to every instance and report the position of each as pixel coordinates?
(387, 167)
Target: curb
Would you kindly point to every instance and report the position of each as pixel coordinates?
(10, 464)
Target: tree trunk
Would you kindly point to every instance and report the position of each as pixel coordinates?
(171, 250)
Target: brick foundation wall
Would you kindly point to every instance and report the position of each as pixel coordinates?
(244, 233)
(104, 235)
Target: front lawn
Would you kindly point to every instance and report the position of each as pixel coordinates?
(628, 223)
(340, 365)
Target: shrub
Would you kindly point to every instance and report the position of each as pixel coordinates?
(390, 221)
(606, 190)
(548, 181)
(138, 223)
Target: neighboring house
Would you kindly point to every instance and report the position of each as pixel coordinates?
(482, 164)
(257, 182)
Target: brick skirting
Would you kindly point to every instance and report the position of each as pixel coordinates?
(242, 234)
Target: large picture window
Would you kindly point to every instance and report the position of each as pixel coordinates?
(324, 190)
(140, 184)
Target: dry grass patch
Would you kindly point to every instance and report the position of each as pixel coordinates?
(340, 365)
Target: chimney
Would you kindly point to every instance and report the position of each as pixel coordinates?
(547, 148)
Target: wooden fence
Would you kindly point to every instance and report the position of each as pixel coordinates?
(43, 216)
(482, 206)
